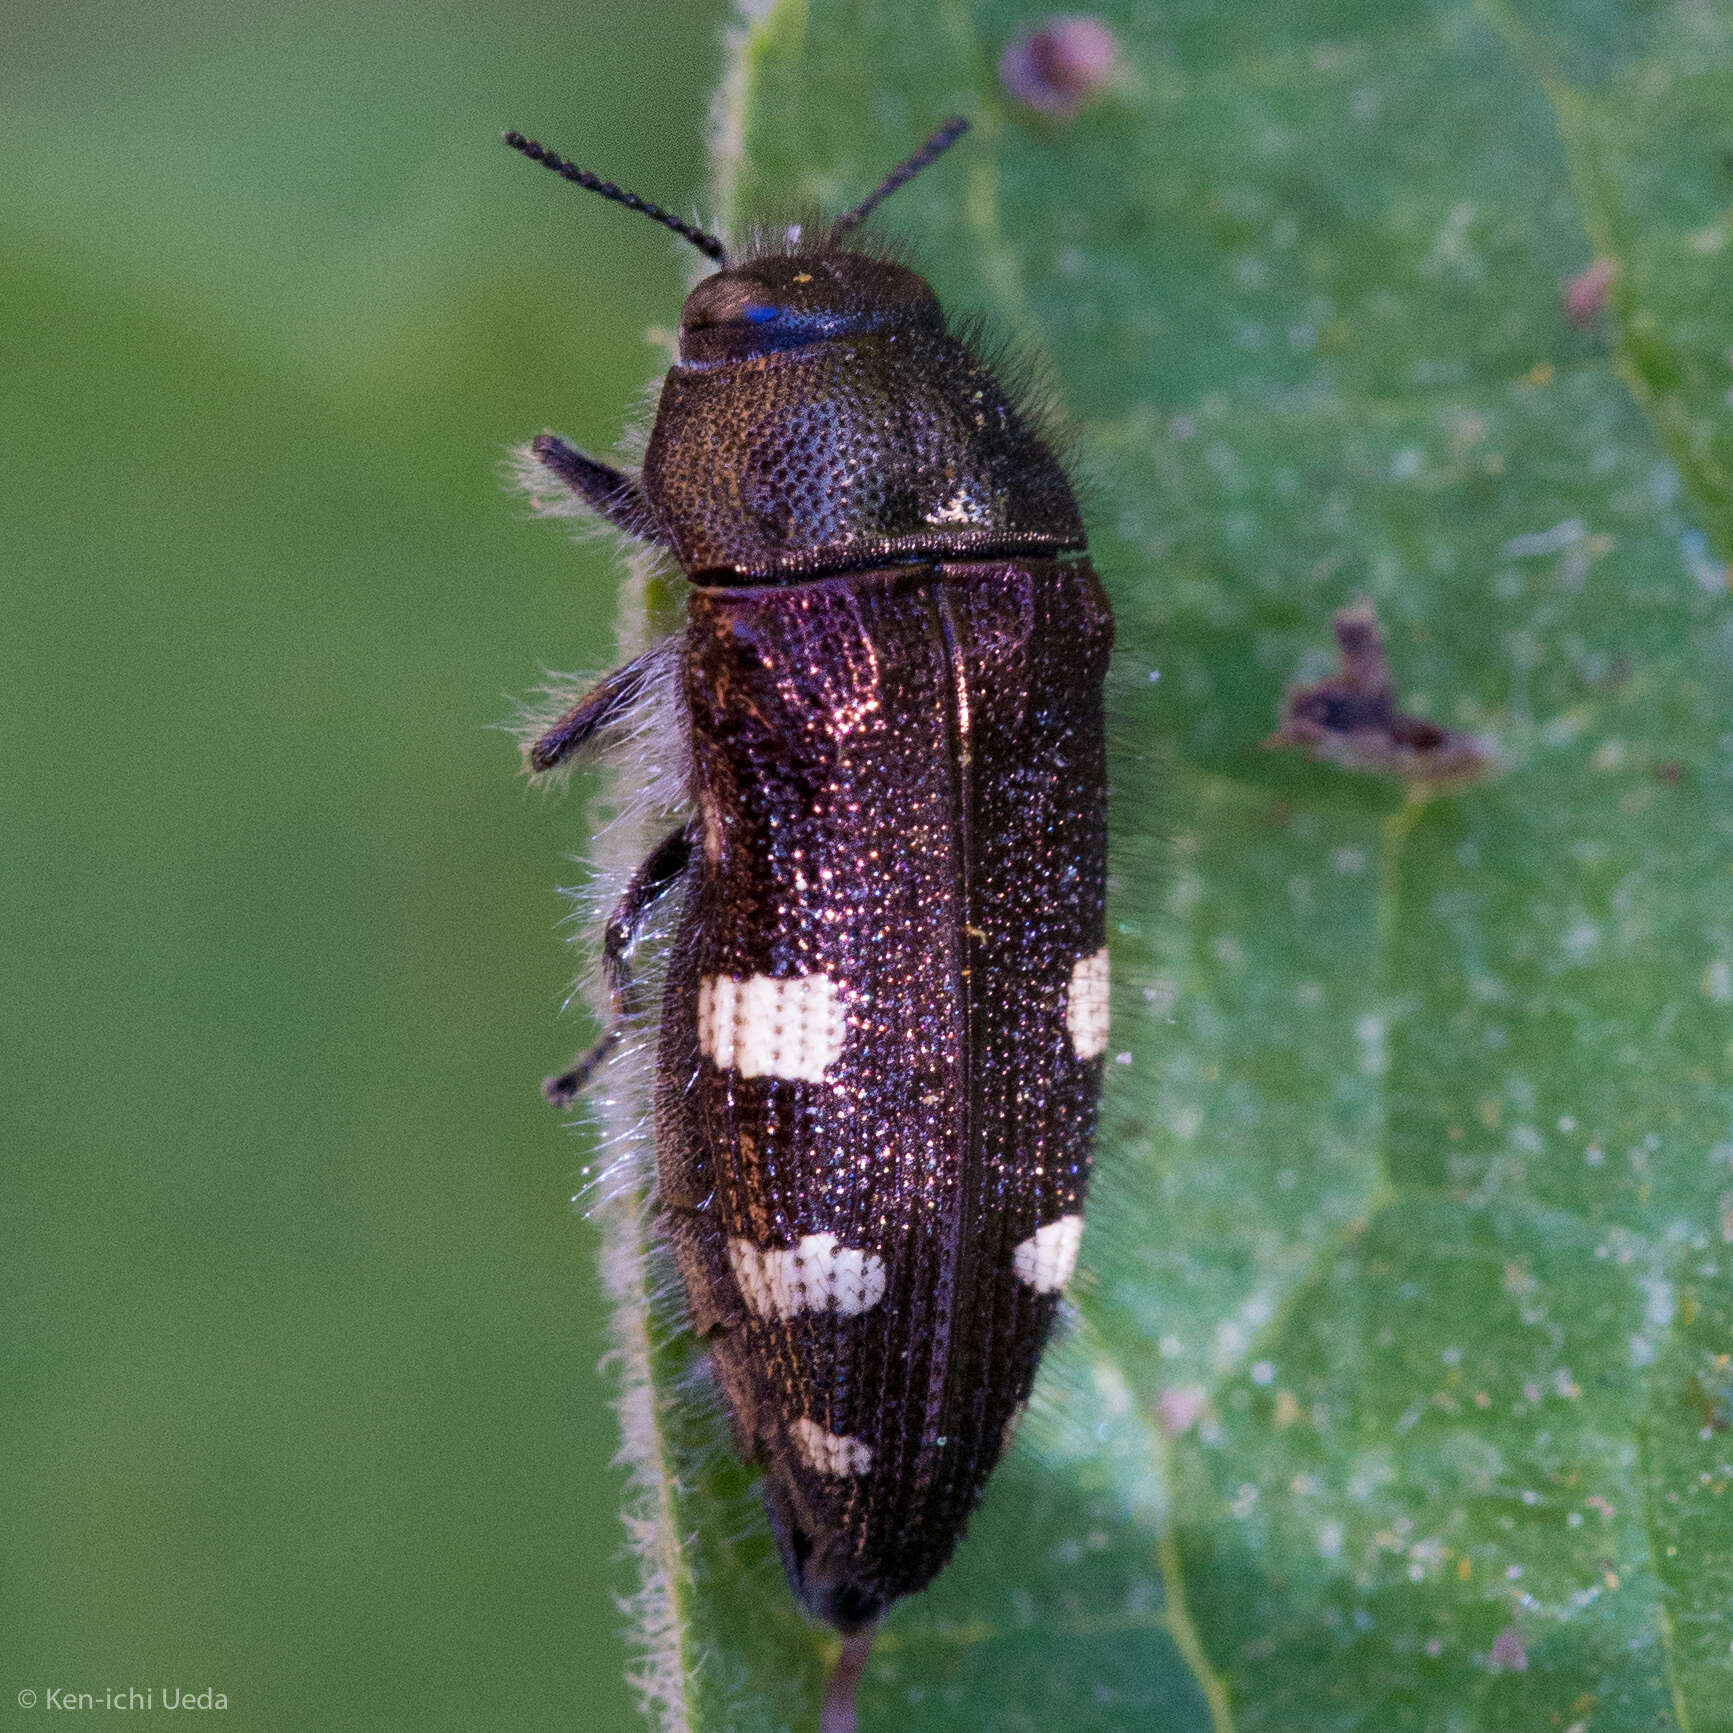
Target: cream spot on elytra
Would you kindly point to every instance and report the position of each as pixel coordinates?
(1046, 1259)
(817, 1275)
(762, 1027)
(1086, 1005)
(828, 1453)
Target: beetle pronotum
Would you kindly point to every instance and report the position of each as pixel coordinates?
(880, 1047)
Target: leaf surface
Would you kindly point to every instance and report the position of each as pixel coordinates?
(1399, 1393)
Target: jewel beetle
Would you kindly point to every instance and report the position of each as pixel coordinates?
(879, 1052)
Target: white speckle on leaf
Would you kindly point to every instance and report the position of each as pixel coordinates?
(1369, 1032)
(1371, 1476)
(1553, 541)
(1111, 1387)
(1185, 893)
(1227, 949)
(1451, 256)
(1709, 572)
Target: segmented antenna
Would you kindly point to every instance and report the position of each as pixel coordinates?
(903, 173)
(708, 245)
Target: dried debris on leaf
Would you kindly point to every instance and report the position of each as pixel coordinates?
(1350, 717)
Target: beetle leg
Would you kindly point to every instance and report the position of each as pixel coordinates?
(562, 1090)
(606, 490)
(604, 703)
(662, 870)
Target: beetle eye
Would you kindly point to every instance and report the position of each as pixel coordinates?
(728, 303)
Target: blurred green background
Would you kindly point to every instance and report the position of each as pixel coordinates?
(300, 1393)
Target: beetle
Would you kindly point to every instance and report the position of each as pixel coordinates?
(880, 1047)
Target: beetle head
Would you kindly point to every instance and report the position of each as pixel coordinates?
(790, 300)
(820, 415)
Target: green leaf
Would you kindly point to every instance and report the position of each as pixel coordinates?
(1399, 1394)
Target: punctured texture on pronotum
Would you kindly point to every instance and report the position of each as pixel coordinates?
(881, 1038)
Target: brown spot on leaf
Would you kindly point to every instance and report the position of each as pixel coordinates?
(1061, 65)
(1586, 293)
(1350, 718)
(1712, 1391)
(1508, 1654)
(1179, 1406)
